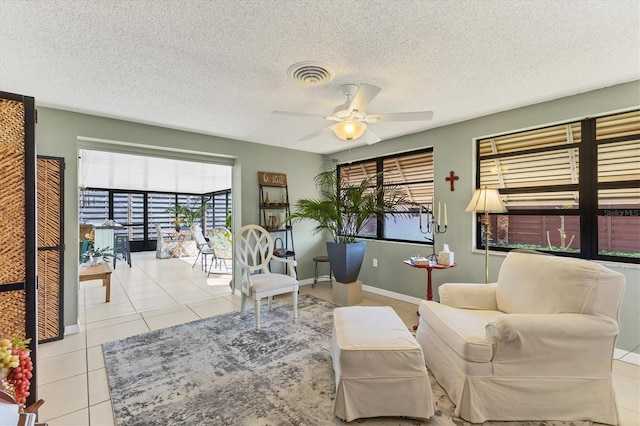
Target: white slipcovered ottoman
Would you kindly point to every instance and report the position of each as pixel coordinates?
(379, 366)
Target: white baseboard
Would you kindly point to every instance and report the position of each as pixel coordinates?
(71, 329)
(626, 356)
(392, 294)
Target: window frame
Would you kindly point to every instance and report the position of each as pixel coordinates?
(379, 163)
(587, 187)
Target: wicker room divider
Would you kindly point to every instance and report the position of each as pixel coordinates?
(18, 316)
(50, 178)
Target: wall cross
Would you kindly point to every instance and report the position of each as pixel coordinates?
(452, 179)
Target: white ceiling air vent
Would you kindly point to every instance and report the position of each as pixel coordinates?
(309, 73)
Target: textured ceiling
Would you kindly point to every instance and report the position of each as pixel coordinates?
(220, 67)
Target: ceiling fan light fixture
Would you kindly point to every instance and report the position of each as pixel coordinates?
(349, 130)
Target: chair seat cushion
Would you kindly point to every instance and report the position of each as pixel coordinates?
(266, 282)
(462, 329)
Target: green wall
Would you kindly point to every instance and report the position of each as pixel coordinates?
(58, 131)
(454, 148)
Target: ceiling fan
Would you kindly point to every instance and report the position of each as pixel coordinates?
(351, 118)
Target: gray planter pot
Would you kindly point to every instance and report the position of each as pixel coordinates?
(346, 260)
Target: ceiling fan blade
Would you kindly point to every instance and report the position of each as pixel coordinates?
(363, 96)
(302, 114)
(370, 138)
(314, 134)
(400, 116)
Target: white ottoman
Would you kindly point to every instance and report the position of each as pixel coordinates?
(379, 366)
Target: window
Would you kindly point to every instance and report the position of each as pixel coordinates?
(411, 173)
(572, 188)
(139, 212)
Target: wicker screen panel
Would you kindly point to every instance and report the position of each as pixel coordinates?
(49, 199)
(49, 297)
(12, 313)
(12, 207)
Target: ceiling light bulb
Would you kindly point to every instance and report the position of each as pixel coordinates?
(349, 130)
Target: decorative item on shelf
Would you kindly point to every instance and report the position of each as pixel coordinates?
(433, 226)
(486, 201)
(282, 199)
(278, 248)
(16, 367)
(273, 223)
(93, 256)
(266, 199)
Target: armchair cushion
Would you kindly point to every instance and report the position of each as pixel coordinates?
(462, 329)
(469, 296)
(533, 284)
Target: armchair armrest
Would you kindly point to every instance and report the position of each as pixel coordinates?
(469, 296)
(291, 264)
(552, 344)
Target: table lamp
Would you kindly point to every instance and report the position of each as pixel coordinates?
(486, 201)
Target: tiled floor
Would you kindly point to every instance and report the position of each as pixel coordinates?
(160, 293)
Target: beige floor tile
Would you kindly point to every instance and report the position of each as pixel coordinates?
(119, 331)
(77, 418)
(98, 387)
(190, 296)
(218, 289)
(173, 287)
(155, 303)
(627, 392)
(628, 417)
(101, 414)
(164, 311)
(109, 311)
(139, 294)
(112, 321)
(218, 308)
(63, 397)
(62, 366)
(168, 320)
(371, 302)
(626, 369)
(95, 358)
(70, 343)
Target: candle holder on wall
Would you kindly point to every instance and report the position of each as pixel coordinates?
(432, 227)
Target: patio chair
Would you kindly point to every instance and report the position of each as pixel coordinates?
(221, 242)
(204, 249)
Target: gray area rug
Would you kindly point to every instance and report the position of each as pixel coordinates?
(219, 371)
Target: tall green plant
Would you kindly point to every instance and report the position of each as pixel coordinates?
(187, 215)
(344, 209)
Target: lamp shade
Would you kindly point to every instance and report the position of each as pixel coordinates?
(486, 200)
(348, 130)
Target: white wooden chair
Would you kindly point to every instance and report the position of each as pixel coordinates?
(254, 251)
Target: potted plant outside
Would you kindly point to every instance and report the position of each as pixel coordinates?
(185, 215)
(345, 209)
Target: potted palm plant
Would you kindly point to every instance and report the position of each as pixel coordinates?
(345, 209)
(185, 215)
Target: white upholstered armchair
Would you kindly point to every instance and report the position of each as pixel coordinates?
(536, 345)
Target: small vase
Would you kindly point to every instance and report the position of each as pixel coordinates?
(266, 200)
(273, 223)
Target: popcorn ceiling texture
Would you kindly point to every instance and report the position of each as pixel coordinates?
(220, 67)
